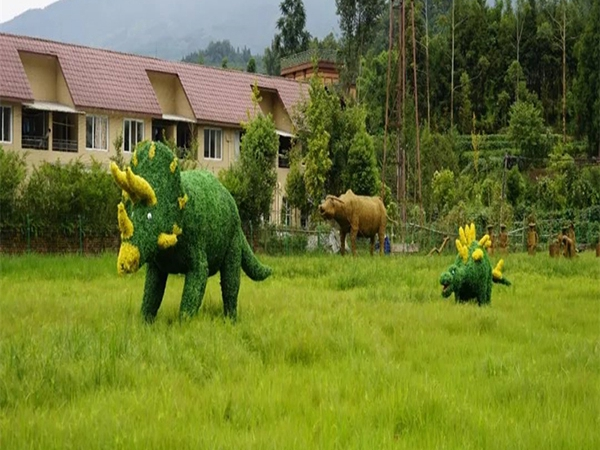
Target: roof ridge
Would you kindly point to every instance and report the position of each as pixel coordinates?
(152, 58)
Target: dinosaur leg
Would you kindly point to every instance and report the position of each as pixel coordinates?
(372, 244)
(193, 290)
(485, 297)
(154, 289)
(230, 281)
(381, 240)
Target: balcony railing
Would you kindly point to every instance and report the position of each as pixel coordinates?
(307, 56)
(34, 142)
(64, 145)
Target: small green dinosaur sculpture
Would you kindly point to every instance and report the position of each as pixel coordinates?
(180, 222)
(471, 275)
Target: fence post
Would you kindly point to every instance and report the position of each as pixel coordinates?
(28, 234)
(80, 235)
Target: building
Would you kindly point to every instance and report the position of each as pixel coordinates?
(61, 101)
(301, 66)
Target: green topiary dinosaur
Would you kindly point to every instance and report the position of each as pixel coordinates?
(471, 275)
(180, 222)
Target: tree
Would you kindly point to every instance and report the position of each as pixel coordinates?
(361, 174)
(292, 37)
(13, 167)
(587, 83)
(525, 129)
(358, 19)
(224, 62)
(465, 111)
(252, 179)
(271, 60)
(251, 67)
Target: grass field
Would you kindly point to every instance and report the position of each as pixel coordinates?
(327, 353)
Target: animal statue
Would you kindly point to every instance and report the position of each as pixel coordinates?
(471, 276)
(183, 223)
(359, 215)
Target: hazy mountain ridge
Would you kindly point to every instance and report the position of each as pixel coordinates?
(167, 30)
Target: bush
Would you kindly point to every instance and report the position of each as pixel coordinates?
(56, 195)
(12, 174)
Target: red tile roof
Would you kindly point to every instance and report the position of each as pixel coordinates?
(115, 81)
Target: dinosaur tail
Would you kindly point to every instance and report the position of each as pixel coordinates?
(497, 276)
(250, 263)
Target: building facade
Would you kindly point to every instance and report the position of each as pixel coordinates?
(63, 102)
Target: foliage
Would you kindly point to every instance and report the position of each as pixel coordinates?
(587, 83)
(357, 25)
(251, 66)
(515, 186)
(443, 191)
(292, 36)
(13, 167)
(526, 128)
(56, 194)
(216, 52)
(361, 174)
(295, 187)
(252, 179)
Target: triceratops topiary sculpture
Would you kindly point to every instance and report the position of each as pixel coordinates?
(180, 222)
(471, 275)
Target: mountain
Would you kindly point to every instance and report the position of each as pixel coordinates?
(166, 29)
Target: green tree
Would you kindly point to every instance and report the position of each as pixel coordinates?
(252, 179)
(271, 60)
(358, 20)
(515, 186)
(224, 62)
(443, 186)
(292, 37)
(525, 129)
(295, 187)
(587, 84)
(251, 67)
(465, 111)
(361, 174)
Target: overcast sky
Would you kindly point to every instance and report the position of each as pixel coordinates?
(12, 8)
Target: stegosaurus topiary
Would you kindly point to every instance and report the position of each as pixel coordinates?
(471, 275)
(180, 222)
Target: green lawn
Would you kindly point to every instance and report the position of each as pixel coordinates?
(329, 352)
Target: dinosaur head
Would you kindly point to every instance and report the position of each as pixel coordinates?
(152, 205)
(448, 280)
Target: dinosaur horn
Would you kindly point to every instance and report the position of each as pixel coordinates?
(119, 176)
(140, 187)
(125, 223)
(337, 199)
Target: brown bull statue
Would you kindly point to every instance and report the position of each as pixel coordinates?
(358, 215)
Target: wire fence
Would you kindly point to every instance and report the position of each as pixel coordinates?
(76, 235)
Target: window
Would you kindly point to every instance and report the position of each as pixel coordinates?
(283, 158)
(5, 124)
(286, 213)
(133, 132)
(212, 144)
(96, 132)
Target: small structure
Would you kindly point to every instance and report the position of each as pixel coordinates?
(503, 240)
(571, 235)
(532, 239)
(301, 66)
(490, 233)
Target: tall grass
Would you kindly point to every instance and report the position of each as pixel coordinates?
(329, 352)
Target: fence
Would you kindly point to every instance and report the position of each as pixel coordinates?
(73, 235)
(77, 236)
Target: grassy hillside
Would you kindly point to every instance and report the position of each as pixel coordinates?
(327, 353)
